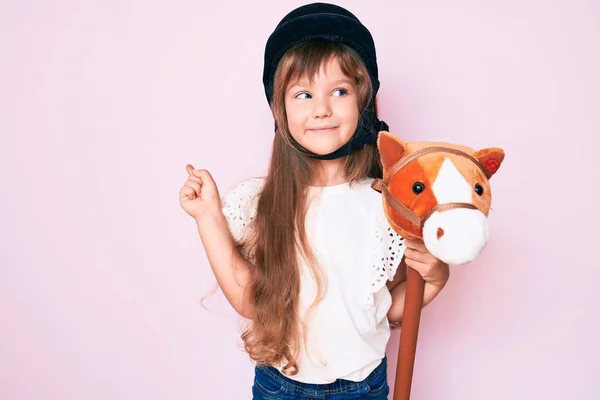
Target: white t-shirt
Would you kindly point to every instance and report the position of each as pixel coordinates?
(358, 252)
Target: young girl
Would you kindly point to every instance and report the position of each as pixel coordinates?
(306, 253)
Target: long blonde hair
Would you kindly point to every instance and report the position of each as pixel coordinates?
(279, 235)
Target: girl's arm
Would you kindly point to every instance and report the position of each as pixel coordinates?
(199, 197)
(397, 288)
(398, 295)
(231, 270)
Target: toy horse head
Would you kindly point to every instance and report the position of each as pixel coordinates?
(438, 192)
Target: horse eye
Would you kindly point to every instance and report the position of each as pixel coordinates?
(478, 189)
(418, 187)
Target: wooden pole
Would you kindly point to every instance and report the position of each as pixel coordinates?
(413, 303)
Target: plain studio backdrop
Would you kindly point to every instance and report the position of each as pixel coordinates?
(102, 103)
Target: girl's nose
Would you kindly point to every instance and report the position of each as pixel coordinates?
(322, 108)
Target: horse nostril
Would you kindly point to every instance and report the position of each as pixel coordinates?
(440, 233)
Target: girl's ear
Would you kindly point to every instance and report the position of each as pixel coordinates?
(391, 149)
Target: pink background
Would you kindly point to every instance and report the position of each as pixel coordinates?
(102, 103)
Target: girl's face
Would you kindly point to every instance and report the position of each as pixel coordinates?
(322, 115)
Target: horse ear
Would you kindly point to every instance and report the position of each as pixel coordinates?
(391, 149)
(490, 159)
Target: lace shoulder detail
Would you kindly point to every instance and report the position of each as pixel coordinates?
(239, 206)
(388, 250)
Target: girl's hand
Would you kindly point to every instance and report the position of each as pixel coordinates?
(199, 195)
(433, 271)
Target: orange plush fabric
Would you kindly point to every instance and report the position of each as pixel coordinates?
(434, 179)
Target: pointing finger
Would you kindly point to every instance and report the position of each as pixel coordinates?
(190, 169)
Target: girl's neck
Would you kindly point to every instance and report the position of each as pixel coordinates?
(330, 172)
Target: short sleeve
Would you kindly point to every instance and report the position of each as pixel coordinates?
(388, 250)
(239, 206)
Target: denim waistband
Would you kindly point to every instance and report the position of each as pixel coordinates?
(339, 386)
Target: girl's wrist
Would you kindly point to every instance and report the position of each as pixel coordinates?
(210, 217)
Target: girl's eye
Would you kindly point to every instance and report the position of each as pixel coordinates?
(303, 95)
(342, 92)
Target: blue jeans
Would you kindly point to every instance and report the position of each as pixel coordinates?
(270, 384)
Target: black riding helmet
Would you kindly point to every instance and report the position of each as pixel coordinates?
(336, 24)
